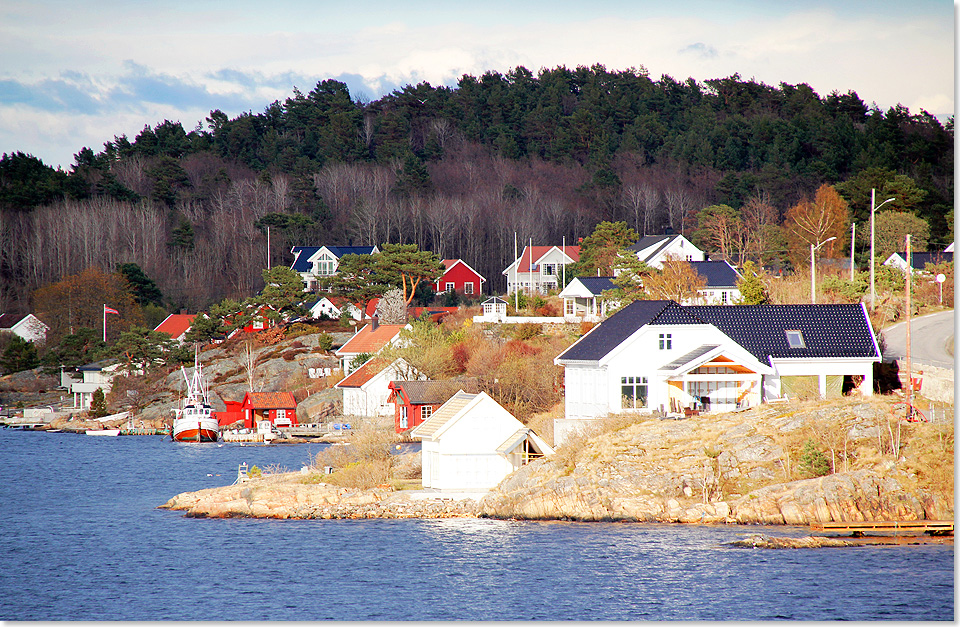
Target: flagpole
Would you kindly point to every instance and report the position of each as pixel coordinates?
(104, 324)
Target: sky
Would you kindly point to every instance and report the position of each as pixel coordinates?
(77, 74)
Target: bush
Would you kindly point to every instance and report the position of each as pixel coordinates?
(527, 331)
(325, 342)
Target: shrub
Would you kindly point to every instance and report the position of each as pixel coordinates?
(813, 461)
(325, 342)
(527, 331)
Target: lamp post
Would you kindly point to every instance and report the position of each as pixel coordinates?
(813, 269)
(873, 200)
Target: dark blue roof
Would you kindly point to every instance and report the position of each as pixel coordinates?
(596, 284)
(649, 240)
(919, 261)
(717, 273)
(829, 330)
(614, 330)
(300, 263)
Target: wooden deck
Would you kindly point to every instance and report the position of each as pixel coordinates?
(897, 527)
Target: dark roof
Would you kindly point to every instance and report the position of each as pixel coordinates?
(435, 392)
(650, 240)
(596, 284)
(700, 351)
(717, 273)
(300, 263)
(919, 261)
(829, 330)
(610, 333)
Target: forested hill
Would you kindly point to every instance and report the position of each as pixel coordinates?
(458, 171)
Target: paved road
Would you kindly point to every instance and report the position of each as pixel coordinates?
(931, 340)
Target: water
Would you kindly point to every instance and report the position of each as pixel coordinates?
(84, 541)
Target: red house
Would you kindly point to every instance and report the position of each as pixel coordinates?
(176, 326)
(280, 408)
(232, 415)
(258, 322)
(459, 277)
(415, 401)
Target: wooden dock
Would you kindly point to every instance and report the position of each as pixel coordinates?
(896, 527)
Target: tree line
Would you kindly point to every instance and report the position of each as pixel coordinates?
(464, 172)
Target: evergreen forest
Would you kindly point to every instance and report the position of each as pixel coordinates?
(467, 171)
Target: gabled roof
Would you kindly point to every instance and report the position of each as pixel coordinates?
(448, 265)
(176, 325)
(340, 251)
(612, 332)
(494, 300)
(717, 273)
(363, 374)
(8, 321)
(370, 340)
(518, 437)
(593, 284)
(659, 241)
(301, 255)
(434, 392)
(271, 400)
(447, 412)
(829, 330)
(536, 253)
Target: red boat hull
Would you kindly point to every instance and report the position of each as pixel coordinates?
(196, 435)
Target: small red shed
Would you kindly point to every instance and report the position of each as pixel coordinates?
(280, 408)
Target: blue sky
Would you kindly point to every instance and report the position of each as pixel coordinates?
(74, 76)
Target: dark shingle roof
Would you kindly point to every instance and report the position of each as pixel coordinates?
(434, 392)
(717, 273)
(919, 261)
(596, 284)
(649, 240)
(340, 251)
(830, 330)
(300, 263)
(614, 330)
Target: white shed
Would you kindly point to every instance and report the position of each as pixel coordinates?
(471, 443)
(366, 389)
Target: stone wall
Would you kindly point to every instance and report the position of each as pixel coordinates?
(938, 383)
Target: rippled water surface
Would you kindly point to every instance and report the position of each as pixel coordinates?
(84, 541)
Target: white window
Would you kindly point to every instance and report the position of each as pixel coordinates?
(723, 296)
(468, 287)
(403, 417)
(425, 412)
(633, 392)
(548, 269)
(258, 324)
(569, 306)
(326, 265)
(795, 339)
(450, 286)
(666, 341)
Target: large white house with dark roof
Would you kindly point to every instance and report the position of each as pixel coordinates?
(661, 356)
(653, 250)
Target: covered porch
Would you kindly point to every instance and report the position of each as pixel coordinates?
(713, 379)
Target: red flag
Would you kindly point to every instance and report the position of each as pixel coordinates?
(110, 310)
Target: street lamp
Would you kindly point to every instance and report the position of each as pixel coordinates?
(873, 199)
(813, 270)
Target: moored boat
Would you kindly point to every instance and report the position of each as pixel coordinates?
(194, 421)
(110, 432)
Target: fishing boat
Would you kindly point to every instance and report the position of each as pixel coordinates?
(194, 421)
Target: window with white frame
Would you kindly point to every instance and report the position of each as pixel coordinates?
(633, 392)
(450, 286)
(548, 269)
(425, 412)
(258, 324)
(666, 341)
(723, 296)
(468, 287)
(403, 417)
(570, 306)
(326, 265)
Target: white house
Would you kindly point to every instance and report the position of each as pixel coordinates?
(494, 310)
(314, 262)
(661, 356)
(366, 391)
(655, 249)
(581, 298)
(721, 287)
(471, 443)
(369, 340)
(539, 269)
(27, 327)
(99, 374)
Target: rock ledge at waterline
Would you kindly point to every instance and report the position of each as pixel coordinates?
(654, 471)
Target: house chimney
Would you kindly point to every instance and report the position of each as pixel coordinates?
(374, 323)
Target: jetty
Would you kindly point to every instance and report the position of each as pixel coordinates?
(859, 529)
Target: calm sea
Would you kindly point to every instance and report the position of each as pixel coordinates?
(83, 540)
